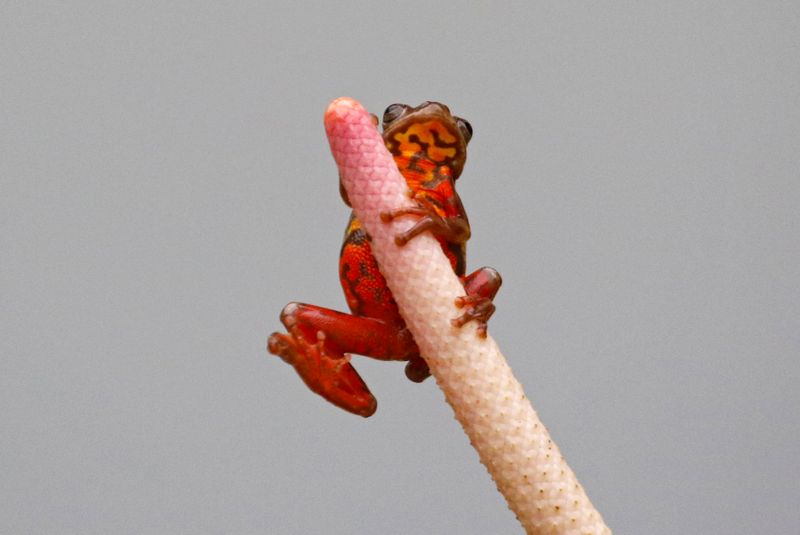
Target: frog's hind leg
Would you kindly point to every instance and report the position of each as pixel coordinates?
(318, 347)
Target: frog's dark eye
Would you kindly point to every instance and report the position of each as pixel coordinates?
(466, 129)
(393, 112)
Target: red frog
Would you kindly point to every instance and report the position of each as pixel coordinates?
(429, 146)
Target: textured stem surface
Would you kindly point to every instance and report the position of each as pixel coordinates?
(477, 382)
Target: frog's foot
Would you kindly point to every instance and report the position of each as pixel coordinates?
(476, 307)
(327, 373)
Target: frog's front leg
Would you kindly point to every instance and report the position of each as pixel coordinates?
(454, 229)
(318, 347)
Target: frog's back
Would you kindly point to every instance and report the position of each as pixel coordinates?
(364, 286)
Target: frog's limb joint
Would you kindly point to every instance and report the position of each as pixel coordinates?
(417, 369)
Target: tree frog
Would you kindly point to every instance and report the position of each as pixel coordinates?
(429, 146)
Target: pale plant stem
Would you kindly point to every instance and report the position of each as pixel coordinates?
(488, 401)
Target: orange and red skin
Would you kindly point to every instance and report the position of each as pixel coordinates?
(429, 150)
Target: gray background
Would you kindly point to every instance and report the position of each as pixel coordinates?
(167, 188)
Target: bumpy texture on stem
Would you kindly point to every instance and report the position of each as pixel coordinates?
(488, 401)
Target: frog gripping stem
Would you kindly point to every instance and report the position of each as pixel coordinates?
(477, 382)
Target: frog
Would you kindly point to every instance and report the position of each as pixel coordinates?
(429, 146)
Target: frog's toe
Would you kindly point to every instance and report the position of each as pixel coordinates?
(283, 346)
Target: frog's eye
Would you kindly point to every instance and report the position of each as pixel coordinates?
(393, 112)
(465, 128)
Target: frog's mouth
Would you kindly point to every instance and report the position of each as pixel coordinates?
(430, 136)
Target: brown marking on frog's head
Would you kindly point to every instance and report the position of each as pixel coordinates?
(428, 132)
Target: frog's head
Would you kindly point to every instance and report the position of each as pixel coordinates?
(428, 132)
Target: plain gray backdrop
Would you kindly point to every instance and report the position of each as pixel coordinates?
(167, 188)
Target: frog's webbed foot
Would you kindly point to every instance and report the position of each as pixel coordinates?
(323, 368)
(476, 307)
